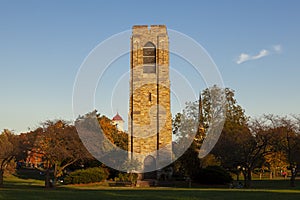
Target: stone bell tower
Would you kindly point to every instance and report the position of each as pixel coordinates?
(149, 124)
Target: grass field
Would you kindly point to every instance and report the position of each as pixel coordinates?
(16, 188)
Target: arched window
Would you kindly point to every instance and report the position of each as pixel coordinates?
(149, 58)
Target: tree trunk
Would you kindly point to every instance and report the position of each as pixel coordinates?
(293, 177)
(1, 177)
(247, 178)
(55, 175)
(47, 179)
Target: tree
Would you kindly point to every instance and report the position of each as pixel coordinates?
(119, 138)
(239, 146)
(191, 126)
(286, 133)
(185, 147)
(103, 140)
(7, 150)
(61, 147)
(26, 143)
(276, 160)
(237, 149)
(209, 160)
(242, 145)
(188, 163)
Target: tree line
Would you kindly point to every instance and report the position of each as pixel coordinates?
(57, 144)
(245, 145)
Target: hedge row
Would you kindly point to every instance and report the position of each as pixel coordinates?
(90, 175)
(213, 175)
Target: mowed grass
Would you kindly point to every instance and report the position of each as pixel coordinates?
(30, 189)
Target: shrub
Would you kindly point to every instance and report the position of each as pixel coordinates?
(127, 177)
(213, 175)
(89, 175)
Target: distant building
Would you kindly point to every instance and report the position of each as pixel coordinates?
(118, 121)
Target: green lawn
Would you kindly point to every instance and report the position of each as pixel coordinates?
(30, 189)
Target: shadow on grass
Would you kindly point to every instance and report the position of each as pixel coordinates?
(16, 183)
(16, 188)
(29, 173)
(283, 184)
(145, 194)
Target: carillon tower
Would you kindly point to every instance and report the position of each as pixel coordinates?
(150, 123)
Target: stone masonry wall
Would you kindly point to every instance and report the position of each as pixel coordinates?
(144, 109)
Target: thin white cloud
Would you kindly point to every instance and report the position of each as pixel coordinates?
(246, 57)
(243, 57)
(261, 54)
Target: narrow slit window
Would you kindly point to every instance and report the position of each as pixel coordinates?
(150, 97)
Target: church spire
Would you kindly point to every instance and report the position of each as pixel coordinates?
(201, 132)
(200, 111)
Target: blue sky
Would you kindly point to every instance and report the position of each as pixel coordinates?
(255, 45)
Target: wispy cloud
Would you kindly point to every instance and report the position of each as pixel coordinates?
(243, 57)
(261, 54)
